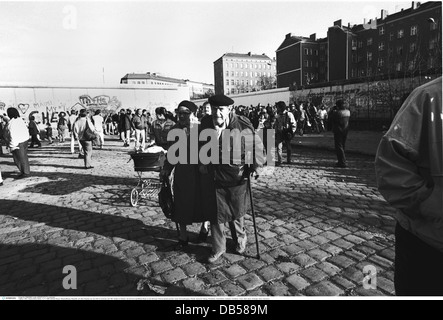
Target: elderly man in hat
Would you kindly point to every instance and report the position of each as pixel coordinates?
(228, 176)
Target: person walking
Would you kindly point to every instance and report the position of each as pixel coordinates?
(285, 127)
(340, 128)
(227, 177)
(79, 129)
(34, 130)
(98, 122)
(17, 135)
(71, 121)
(139, 124)
(49, 132)
(409, 174)
(160, 128)
(62, 125)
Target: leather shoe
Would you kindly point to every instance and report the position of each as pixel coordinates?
(215, 256)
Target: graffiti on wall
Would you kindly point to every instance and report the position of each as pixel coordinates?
(47, 111)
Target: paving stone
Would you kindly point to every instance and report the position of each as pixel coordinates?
(383, 262)
(307, 245)
(288, 239)
(232, 289)
(234, 271)
(180, 260)
(319, 240)
(270, 273)
(354, 274)
(292, 249)
(194, 285)
(147, 258)
(385, 285)
(297, 282)
(355, 255)
(324, 288)
(214, 277)
(304, 260)
(174, 275)
(272, 242)
(250, 281)
(277, 289)
(313, 274)
(343, 244)
(160, 266)
(318, 254)
(341, 261)
(388, 254)
(252, 264)
(333, 250)
(343, 283)
(287, 267)
(194, 268)
(354, 239)
(312, 230)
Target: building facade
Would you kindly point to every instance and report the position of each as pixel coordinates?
(240, 73)
(405, 44)
(197, 90)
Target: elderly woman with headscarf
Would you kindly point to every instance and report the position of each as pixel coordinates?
(191, 203)
(16, 136)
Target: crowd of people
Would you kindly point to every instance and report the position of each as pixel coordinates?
(408, 166)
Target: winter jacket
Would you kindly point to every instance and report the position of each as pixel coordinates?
(409, 164)
(229, 180)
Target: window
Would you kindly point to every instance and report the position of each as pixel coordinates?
(227, 82)
(391, 36)
(259, 66)
(236, 73)
(381, 31)
(412, 47)
(414, 30)
(411, 65)
(360, 44)
(369, 42)
(232, 90)
(306, 51)
(232, 73)
(246, 73)
(433, 26)
(400, 50)
(316, 52)
(381, 62)
(354, 58)
(390, 52)
(255, 66)
(381, 46)
(310, 51)
(431, 62)
(232, 82)
(236, 65)
(433, 43)
(354, 43)
(369, 56)
(227, 73)
(369, 72)
(353, 73)
(306, 63)
(398, 66)
(400, 33)
(256, 74)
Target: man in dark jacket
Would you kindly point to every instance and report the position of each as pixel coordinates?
(230, 172)
(340, 125)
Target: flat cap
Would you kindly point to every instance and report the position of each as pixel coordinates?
(188, 104)
(220, 100)
(281, 105)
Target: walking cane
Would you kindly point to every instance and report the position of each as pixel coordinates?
(253, 215)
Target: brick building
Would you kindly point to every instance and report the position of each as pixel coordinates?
(404, 44)
(239, 73)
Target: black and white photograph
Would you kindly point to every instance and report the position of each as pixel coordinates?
(203, 151)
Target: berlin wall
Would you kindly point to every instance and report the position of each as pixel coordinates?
(45, 103)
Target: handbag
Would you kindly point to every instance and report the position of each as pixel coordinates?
(165, 199)
(89, 134)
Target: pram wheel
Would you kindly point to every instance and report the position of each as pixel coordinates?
(134, 197)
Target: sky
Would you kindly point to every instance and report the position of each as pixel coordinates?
(97, 43)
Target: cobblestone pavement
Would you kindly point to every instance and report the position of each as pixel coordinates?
(318, 227)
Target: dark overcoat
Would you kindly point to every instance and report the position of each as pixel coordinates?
(229, 180)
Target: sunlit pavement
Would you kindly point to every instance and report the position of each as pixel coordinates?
(320, 229)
